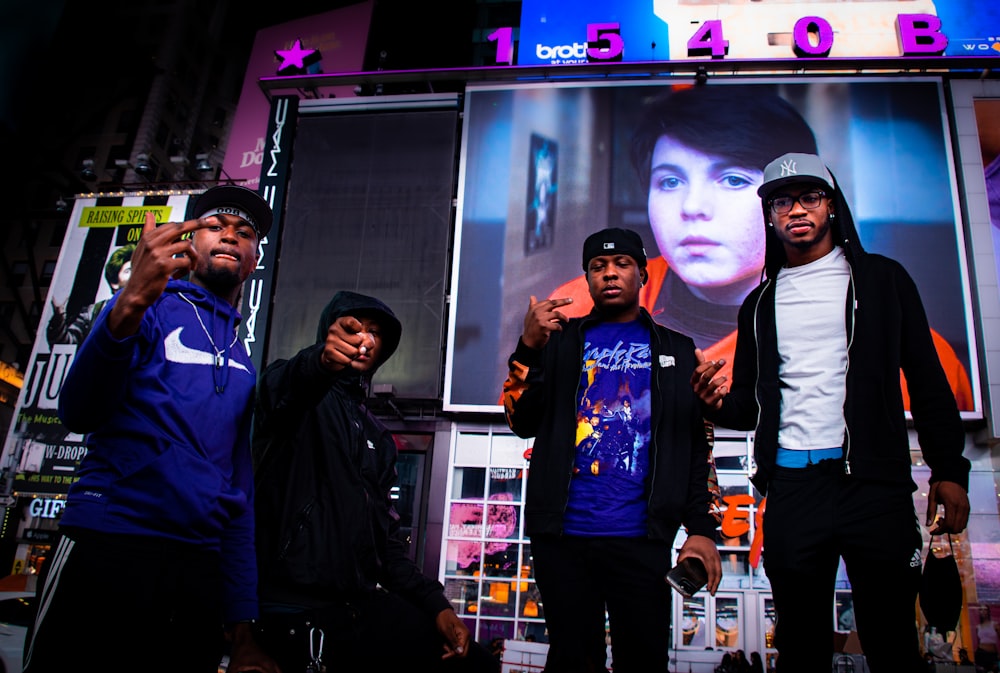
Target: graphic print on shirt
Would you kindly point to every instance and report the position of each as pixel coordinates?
(607, 492)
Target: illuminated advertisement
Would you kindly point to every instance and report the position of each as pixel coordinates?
(330, 42)
(553, 33)
(95, 261)
(885, 140)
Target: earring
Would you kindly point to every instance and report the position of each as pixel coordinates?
(833, 216)
(769, 223)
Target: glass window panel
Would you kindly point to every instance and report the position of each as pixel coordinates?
(472, 449)
(463, 594)
(845, 612)
(532, 631)
(509, 450)
(498, 599)
(531, 601)
(769, 620)
(495, 628)
(731, 455)
(727, 622)
(468, 483)
(466, 520)
(506, 483)
(463, 557)
(527, 561)
(500, 559)
(734, 463)
(502, 521)
(735, 567)
(693, 631)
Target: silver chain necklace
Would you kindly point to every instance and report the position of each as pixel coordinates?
(219, 361)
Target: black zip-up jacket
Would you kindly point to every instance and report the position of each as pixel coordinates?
(326, 526)
(540, 400)
(887, 330)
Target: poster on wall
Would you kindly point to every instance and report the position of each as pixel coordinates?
(987, 112)
(543, 181)
(94, 262)
(680, 164)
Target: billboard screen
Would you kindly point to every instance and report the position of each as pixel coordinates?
(586, 147)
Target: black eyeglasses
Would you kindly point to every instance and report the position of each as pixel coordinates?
(809, 201)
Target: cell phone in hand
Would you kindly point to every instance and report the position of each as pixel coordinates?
(688, 576)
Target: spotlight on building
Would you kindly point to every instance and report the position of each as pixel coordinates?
(202, 165)
(142, 165)
(87, 170)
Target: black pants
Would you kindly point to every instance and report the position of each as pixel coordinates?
(115, 604)
(579, 578)
(380, 632)
(813, 517)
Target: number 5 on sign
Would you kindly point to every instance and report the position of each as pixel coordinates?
(604, 42)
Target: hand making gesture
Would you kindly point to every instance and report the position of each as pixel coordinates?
(542, 319)
(350, 343)
(707, 386)
(163, 252)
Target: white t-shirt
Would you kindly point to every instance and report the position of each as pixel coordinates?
(812, 346)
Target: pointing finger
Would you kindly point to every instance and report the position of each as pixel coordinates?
(150, 222)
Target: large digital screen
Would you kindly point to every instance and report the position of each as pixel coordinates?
(587, 147)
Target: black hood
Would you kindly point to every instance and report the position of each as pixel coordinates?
(845, 234)
(359, 305)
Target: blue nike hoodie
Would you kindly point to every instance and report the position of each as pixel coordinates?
(167, 415)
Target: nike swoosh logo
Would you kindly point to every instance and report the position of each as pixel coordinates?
(175, 351)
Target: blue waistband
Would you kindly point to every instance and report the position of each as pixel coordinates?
(798, 458)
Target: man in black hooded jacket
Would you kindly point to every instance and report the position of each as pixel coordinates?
(336, 586)
(816, 373)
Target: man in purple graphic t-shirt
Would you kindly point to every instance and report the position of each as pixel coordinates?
(620, 462)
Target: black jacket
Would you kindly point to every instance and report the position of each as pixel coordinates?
(326, 526)
(540, 401)
(887, 330)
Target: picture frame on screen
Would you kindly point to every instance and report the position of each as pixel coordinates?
(886, 140)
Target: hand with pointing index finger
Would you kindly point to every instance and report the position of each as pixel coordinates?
(162, 253)
(542, 319)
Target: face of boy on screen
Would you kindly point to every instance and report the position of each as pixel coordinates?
(706, 218)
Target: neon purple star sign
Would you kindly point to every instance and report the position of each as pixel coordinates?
(295, 57)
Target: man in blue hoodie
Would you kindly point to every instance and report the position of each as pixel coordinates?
(156, 554)
(336, 585)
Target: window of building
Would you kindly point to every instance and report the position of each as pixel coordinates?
(48, 270)
(18, 273)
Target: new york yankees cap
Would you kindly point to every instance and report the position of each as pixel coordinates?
(614, 241)
(795, 167)
(242, 202)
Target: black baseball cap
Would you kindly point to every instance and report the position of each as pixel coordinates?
(242, 202)
(614, 241)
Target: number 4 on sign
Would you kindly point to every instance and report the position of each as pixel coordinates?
(708, 40)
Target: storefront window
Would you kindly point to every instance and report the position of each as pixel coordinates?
(693, 631)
